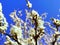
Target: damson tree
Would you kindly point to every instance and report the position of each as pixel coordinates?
(34, 28)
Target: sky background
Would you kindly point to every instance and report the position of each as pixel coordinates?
(50, 6)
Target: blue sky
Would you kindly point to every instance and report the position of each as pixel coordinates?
(50, 6)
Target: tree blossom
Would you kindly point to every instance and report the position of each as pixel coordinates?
(9, 41)
(29, 4)
(3, 22)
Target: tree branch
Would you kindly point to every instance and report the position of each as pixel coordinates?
(11, 37)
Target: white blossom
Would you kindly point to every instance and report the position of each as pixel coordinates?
(32, 32)
(9, 41)
(40, 24)
(28, 14)
(0, 7)
(31, 41)
(34, 13)
(56, 21)
(29, 4)
(3, 21)
(16, 31)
